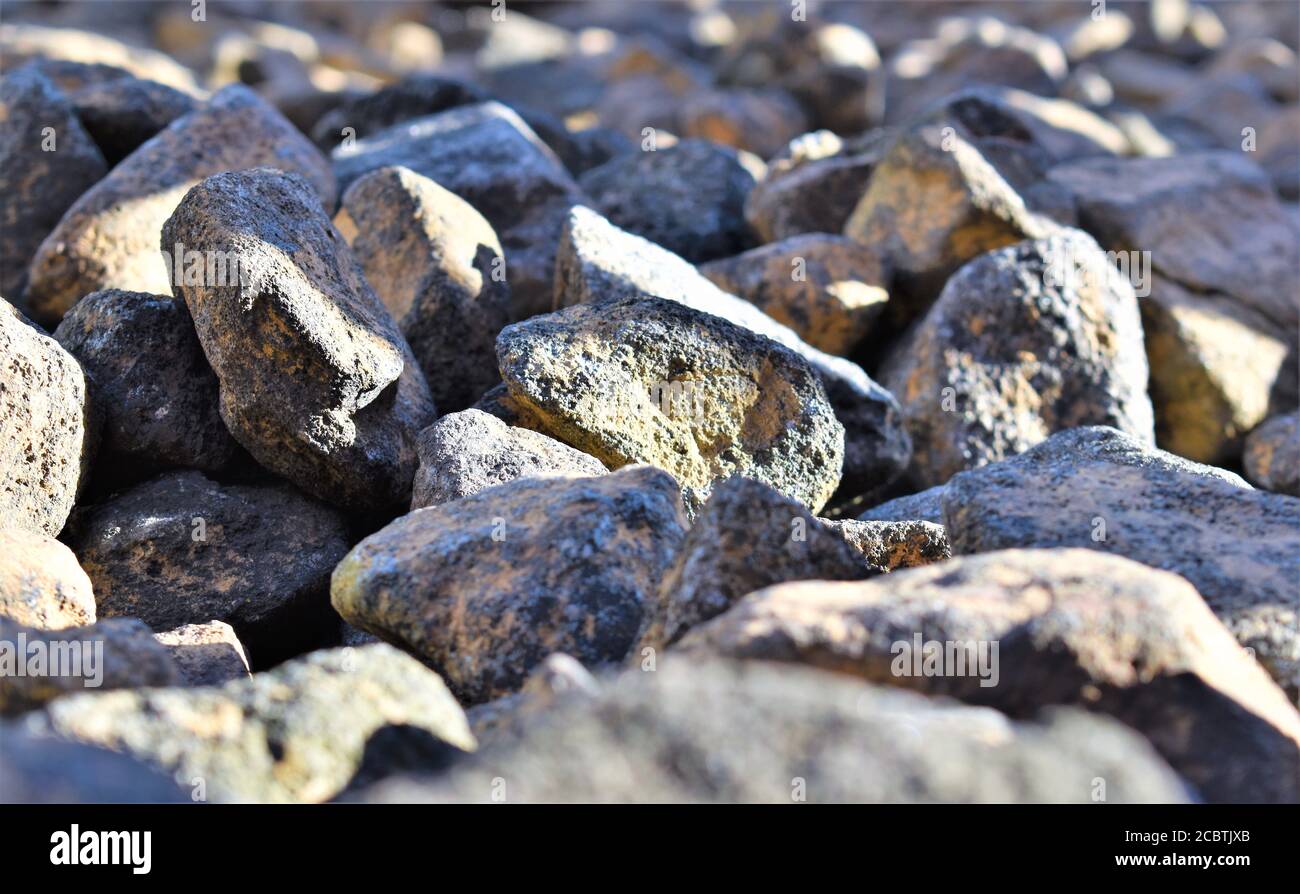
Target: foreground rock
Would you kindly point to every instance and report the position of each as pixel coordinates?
(688, 198)
(151, 382)
(47, 160)
(487, 586)
(206, 654)
(48, 427)
(1101, 489)
(890, 545)
(748, 536)
(654, 381)
(1273, 455)
(599, 262)
(464, 453)
(41, 584)
(317, 383)
(828, 289)
(182, 549)
(109, 237)
(1033, 628)
(38, 666)
(45, 770)
(296, 733)
(439, 269)
(490, 158)
(783, 735)
(1022, 342)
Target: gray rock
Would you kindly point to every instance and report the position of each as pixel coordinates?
(439, 269)
(1104, 490)
(181, 549)
(599, 262)
(466, 452)
(490, 158)
(487, 586)
(49, 429)
(1023, 341)
(41, 584)
(924, 506)
(653, 381)
(151, 383)
(207, 654)
(415, 96)
(1272, 455)
(45, 770)
(726, 733)
(296, 733)
(317, 383)
(890, 545)
(121, 114)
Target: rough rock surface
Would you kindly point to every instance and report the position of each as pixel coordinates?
(122, 113)
(1070, 628)
(924, 506)
(41, 584)
(487, 586)
(891, 545)
(1101, 489)
(439, 269)
(182, 549)
(48, 426)
(45, 770)
(206, 654)
(828, 289)
(747, 536)
(151, 382)
(1023, 341)
(317, 382)
(466, 452)
(935, 202)
(599, 262)
(37, 666)
(295, 733)
(36, 185)
(715, 732)
(490, 158)
(109, 237)
(654, 381)
(1272, 455)
(688, 198)
(412, 97)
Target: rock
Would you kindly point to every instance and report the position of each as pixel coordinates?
(38, 666)
(1023, 341)
(934, 202)
(828, 289)
(1104, 490)
(1216, 109)
(1271, 62)
(47, 160)
(439, 269)
(466, 452)
(688, 198)
(151, 382)
(121, 114)
(41, 584)
(814, 186)
(1024, 629)
(182, 549)
(109, 237)
(486, 155)
(760, 121)
(559, 677)
(292, 734)
(21, 42)
(1218, 368)
(207, 654)
(599, 262)
(317, 382)
(48, 427)
(487, 586)
(747, 536)
(45, 770)
(924, 506)
(890, 545)
(1272, 455)
(415, 96)
(727, 733)
(1206, 218)
(653, 381)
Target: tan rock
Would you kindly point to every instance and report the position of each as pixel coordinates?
(41, 584)
(207, 654)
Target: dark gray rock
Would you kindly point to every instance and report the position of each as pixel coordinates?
(45, 770)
